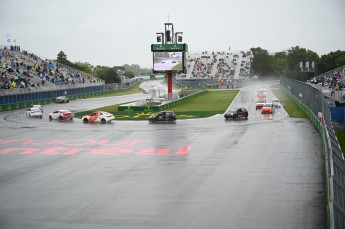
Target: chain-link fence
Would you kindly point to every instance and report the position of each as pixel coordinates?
(313, 102)
(309, 96)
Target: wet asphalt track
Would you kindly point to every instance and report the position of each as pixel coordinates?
(264, 172)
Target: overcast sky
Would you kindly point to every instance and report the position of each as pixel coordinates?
(117, 32)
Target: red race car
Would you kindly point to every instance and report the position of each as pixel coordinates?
(259, 104)
(268, 108)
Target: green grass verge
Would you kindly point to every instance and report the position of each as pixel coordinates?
(205, 105)
(289, 105)
(341, 139)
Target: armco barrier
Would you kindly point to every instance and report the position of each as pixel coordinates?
(160, 107)
(16, 101)
(334, 162)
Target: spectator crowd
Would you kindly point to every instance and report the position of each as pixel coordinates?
(23, 70)
(333, 80)
(218, 64)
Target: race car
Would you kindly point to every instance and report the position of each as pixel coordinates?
(261, 97)
(235, 113)
(34, 112)
(163, 116)
(61, 115)
(259, 104)
(62, 99)
(261, 92)
(38, 106)
(276, 102)
(267, 108)
(98, 116)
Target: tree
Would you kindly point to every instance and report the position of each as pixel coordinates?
(85, 67)
(295, 56)
(107, 74)
(135, 68)
(262, 64)
(145, 71)
(62, 57)
(331, 61)
(129, 74)
(280, 63)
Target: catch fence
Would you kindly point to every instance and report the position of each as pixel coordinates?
(314, 103)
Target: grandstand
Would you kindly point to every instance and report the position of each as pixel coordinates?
(23, 72)
(217, 65)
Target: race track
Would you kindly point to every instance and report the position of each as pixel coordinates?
(265, 172)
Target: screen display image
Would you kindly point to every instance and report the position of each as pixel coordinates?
(168, 61)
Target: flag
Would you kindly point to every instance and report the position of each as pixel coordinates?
(8, 38)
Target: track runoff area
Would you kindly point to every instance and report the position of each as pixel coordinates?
(263, 172)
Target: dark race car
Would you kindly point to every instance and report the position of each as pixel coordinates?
(164, 117)
(235, 113)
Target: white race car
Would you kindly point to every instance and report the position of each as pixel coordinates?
(34, 112)
(38, 106)
(61, 115)
(98, 116)
(276, 102)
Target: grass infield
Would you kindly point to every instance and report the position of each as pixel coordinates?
(205, 105)
(289, 105)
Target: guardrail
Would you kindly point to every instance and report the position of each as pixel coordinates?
(23, 100)
(334, 163)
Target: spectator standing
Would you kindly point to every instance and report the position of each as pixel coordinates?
(43, 78)
(13, 84)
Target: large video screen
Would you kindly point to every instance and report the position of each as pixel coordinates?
(168, 61)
